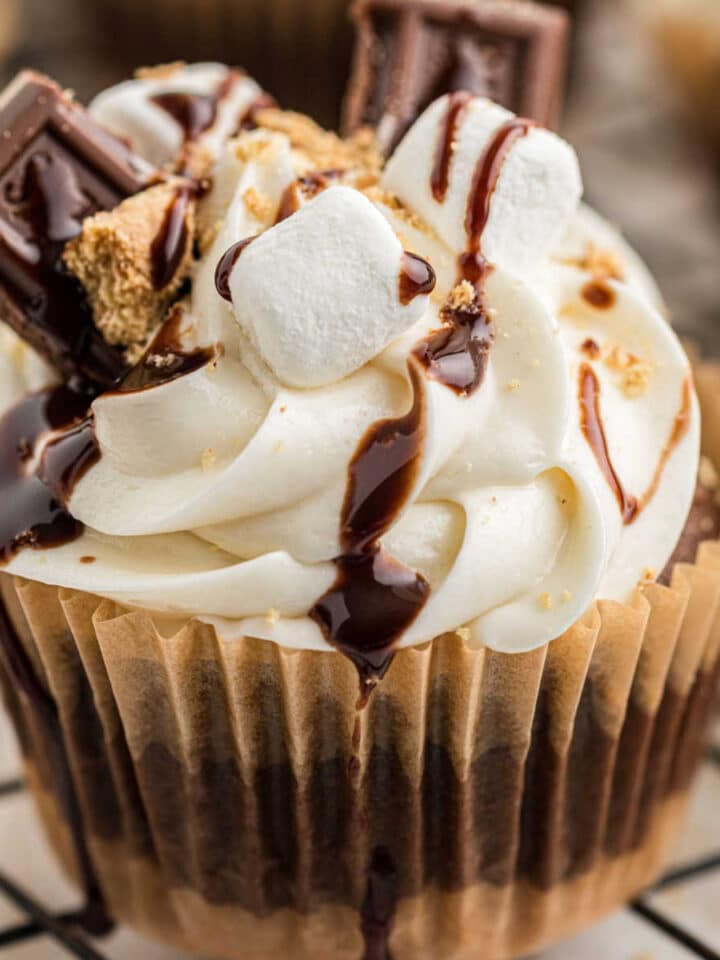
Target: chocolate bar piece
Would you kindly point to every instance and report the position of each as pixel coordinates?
(409, 52)
(57, 166)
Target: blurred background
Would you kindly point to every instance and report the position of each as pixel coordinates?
(643, 101)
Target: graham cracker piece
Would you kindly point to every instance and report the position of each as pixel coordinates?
(113, 259)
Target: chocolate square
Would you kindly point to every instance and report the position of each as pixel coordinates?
(409, 52)
(57, 166)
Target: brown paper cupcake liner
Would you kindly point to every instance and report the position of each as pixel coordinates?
(232, 799)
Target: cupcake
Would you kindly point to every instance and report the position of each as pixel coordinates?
(331, 623)
(688, 39)
(301, 51)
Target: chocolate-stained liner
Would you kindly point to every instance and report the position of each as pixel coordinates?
(237, 804)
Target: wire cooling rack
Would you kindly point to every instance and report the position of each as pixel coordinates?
(678, 920)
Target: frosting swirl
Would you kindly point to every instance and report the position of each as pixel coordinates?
(444, 400)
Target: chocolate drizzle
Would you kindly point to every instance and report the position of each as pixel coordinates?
(375, 598)
(440, 177)
(594, 432)
(593, 429)
(457, 354)
(34, 496)
(165, 359)
(304, 188)
(194, 113)
(94, 917)
(170, 244)
(225, 267)
(379, 905)
(416, 278)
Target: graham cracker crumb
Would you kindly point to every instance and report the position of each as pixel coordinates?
(566, 596)
(389, 200)
(546, 601)
(112, 259)
(635, 373)
(464, 634)
(649, 574)
(208, 459)
(636, 380)
(602, 264)
(708, 475)
(257, 204)
(461, 295)
(513, 385)
(162, 71)
(253, 149)
(324, 150)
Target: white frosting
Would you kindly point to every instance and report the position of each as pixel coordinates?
(129, 112)
(318, 294)
(220, 494)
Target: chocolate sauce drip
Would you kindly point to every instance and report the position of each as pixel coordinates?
(375, 598)
(304, 188)
(457, 354)
(416, 278)
(225, 267)
(379, 905)
(93, 918)
(594, 432)
(33, 500)
(487, 174)
(194, 113)
(168, 247)
(599, 295)
(440, 177)
(165, 359)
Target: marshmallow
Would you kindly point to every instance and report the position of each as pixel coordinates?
(537, 193)
(128, 111)
(318, 295)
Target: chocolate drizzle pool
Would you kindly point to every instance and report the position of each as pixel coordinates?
(375, 598)
(457, 353)
(34, 495)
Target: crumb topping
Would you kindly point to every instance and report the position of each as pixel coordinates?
(546, 602)
(461, 295)
(258, 204)
(602, 264)
(112, 259)
(324, 150)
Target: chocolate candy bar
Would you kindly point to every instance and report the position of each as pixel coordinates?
(409, 52)
(57, 166)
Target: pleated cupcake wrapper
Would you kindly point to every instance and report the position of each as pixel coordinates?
(238, 804)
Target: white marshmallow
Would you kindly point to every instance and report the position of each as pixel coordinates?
(538, 191)
(128, 111)
(318, 295)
